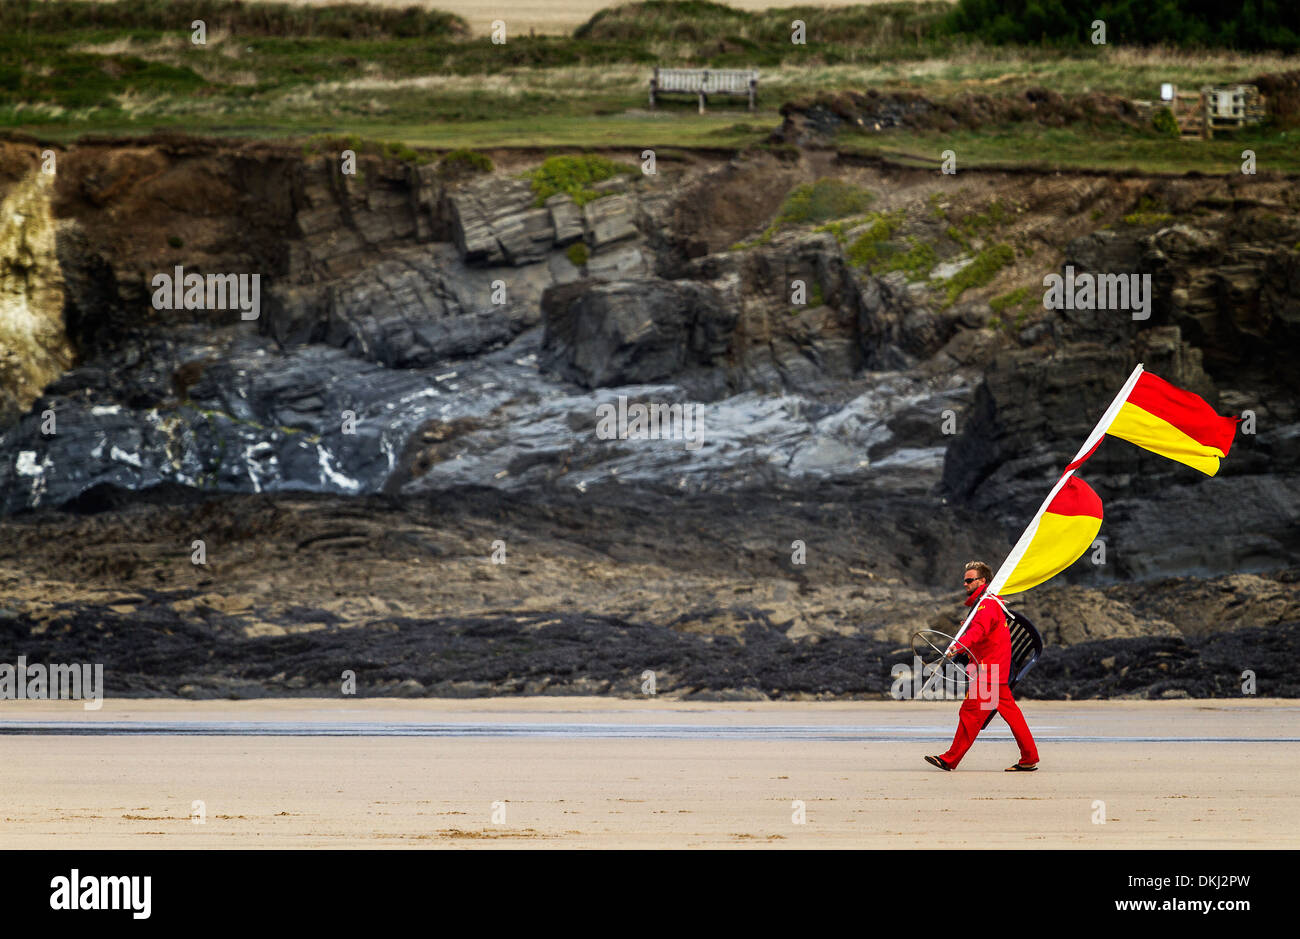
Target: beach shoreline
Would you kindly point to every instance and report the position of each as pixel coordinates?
(537, 772)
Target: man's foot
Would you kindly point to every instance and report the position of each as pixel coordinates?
(939, 762)
(1020, 768)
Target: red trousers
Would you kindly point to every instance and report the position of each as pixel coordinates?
(975, 710)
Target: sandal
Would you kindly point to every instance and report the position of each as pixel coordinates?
(1020, 768)
(938, 761)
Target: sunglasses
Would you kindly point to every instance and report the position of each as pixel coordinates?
(970, 580)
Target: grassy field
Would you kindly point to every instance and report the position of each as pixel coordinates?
(544, 17)
(424, 79)
(719, 131)
(1070, 148)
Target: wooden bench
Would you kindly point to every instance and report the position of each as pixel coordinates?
(703, 82)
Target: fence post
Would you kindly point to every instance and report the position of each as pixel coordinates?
(654, 86)
(704, 81)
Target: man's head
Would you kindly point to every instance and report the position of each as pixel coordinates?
(976, 577)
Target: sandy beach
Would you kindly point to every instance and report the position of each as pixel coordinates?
(601, 773)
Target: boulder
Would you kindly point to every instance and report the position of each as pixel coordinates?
(566, 217)
(417, 306)
(526, 236)
(493, 221)
(624, 261)
(609, 220)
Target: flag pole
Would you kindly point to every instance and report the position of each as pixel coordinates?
(1089, 444)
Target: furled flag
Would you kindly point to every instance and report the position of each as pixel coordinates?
(1174, 423)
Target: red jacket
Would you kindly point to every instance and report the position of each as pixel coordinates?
(987, 637)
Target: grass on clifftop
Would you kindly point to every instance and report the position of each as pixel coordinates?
(867, 248)
(979, 272)
(916, 262)
(575, 175)
(416, 77)
(1071, 148)
(820, 201)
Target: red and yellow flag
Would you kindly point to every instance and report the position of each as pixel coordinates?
(1174, 423)
(1147, 411)
(1061, 532)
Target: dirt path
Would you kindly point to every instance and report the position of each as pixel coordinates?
(699, 788)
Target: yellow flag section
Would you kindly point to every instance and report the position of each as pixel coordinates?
(1174, 423)
(1063, 530)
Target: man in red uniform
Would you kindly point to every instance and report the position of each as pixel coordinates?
(989, 643)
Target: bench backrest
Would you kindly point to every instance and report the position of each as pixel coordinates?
(1026, 645)
(710, 81)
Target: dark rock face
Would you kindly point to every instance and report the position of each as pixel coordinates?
(778, 342)
(817, 120)
(809, 123)
(424, 346)
(151, 654)
(1217, 306)
(894, 330)
(494, 222)
(1029, 417)
(1168, 667)
(738, 313)
(1024, 412)
(633, 332)
(1229, 291)
(93, 311)
(421, 306)
(252, 420)
(1234, 299)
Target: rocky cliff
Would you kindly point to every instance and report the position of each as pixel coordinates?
(34, 347)
(435, 342)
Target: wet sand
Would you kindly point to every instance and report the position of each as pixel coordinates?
(596, 772)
